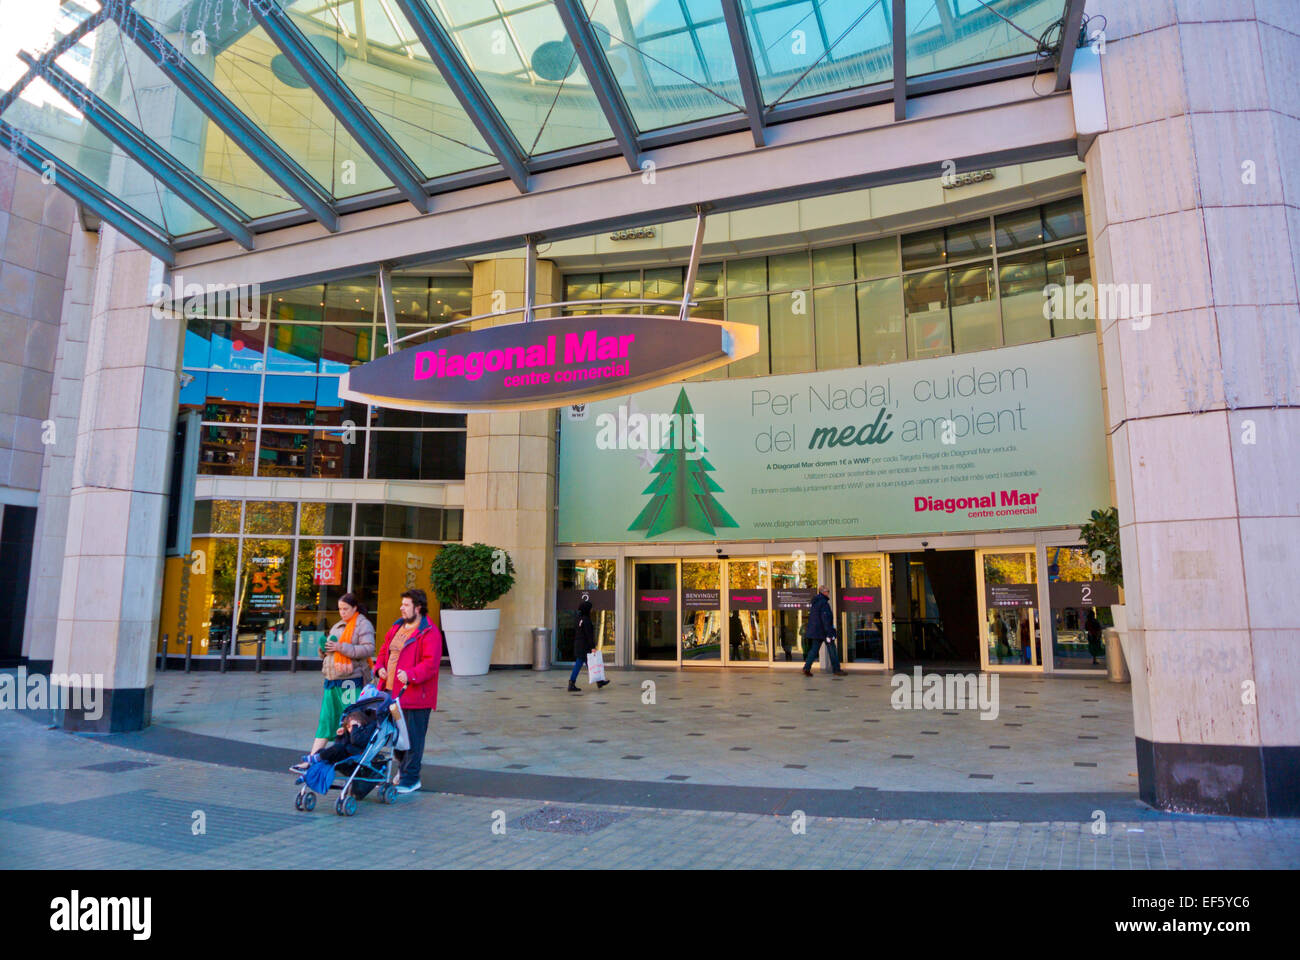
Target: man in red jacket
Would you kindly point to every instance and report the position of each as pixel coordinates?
(408, 669)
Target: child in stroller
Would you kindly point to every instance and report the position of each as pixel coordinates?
(361, 752)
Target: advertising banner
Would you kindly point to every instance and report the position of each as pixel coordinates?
(328, 570)
(1001, 439)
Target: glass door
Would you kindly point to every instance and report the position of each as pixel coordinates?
(1009, 607)
(655, 600)
(861, 602)
(794, 584)
(702, 619)
(749, 623)
(1080, 609)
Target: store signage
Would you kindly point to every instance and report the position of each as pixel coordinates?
(860, 599)
(665, 600)
(328, 566)
(701, 599)
(267, 586)
(1011, 594)
(1082, 593)
(793, 598)
(548, 363)
(748, 599)
(857, 452)
(572, 599)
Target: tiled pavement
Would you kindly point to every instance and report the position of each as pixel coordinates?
(87, 802)
(771, 729)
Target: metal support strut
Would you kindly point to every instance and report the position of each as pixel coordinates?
(693, 266)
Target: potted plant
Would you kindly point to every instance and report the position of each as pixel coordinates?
(1101, 535)
(465, 579)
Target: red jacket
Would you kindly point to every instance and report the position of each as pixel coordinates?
(420, 658)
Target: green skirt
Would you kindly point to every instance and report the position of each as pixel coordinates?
(337, 697)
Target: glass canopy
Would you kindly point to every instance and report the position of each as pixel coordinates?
(228, 116)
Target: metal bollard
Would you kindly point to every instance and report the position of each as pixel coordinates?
(257, 667)
(189, 651)
(162, 662)
(293, 653)
(225, 647)
(1116, 668)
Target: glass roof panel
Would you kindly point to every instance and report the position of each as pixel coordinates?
(528, 67)
(221, 39)
(806, 48)
(944, 34)
(386, 67)
(50, 121)
(670, 58)
(129, 81)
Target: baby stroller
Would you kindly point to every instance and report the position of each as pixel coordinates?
(364, 767)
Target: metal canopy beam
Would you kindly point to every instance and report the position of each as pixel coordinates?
(126, 220)
(1071, 24)
(750, 88)
(601, 78)
(186, 184)
(900, 59)
(465, 85)
(232, 121)
(340, 100)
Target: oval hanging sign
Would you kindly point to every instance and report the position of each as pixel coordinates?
(547, 363)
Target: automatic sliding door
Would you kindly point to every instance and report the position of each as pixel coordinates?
(794, 584)
(1010, 595)
(655, 586)
(862, 605)
(749, 625)
(701, 611)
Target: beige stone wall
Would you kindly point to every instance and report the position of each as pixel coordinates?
(510, 478)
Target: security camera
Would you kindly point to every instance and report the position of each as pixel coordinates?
(925, 543)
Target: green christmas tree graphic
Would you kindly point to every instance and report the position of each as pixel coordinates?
(681, 494)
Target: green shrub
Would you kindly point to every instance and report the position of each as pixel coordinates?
(470, 577)
(1101, 533)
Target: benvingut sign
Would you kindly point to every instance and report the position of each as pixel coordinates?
(547, 363)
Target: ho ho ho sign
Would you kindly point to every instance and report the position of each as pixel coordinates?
(547, 363)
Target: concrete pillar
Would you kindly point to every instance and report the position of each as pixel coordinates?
(113, 560)
(56, 470)
(510, 478)
(1194, 192)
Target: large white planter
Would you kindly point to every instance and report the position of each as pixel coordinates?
(470, 636)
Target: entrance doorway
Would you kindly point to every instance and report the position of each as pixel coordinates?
(935, 609)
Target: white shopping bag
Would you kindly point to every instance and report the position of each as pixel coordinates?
(595, 667)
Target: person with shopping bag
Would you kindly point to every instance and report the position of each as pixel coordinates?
(407, 668)
(584, 647)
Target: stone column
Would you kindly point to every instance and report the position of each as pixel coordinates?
(113, 560)
(510, 478)
(56, 470)
(1194, 192)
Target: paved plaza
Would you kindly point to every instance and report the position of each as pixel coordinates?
(722, 770)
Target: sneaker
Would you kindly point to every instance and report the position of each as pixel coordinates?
(409, 787)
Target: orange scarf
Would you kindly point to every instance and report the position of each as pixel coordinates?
(342, 662)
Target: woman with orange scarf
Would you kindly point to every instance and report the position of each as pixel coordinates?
(345, 662)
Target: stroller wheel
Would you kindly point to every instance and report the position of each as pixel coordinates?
(297, 801)
(388, 794)
(349, 804)
(309, 801)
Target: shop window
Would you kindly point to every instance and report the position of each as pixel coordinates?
(268, 516)
(1022, 279)
(925, 303)
(966, 241)
(881, 335)
(791, 329)
(708, 281)
(217, 516)
(264, 583)
(833, 264)
(320, 581)
(1022, 228)
(835, 310)
(597, 579)
(329, 519)
(751, 310)
(746, 276)
(976, 323)
(1063, 219)
(1068, 265)
(877, 258)
(924, 249)
(788, 271)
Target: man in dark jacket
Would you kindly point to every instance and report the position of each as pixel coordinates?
(821, 629)
(584, 642)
